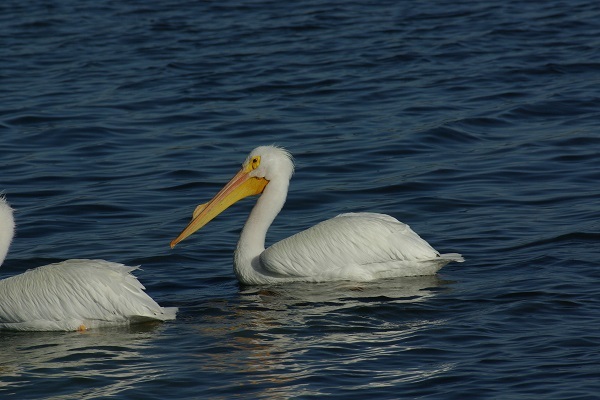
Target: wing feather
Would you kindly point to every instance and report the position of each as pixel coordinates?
(353, 244)
(65, 295)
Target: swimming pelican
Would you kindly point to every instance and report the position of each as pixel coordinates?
(352, 246)
(71, 295)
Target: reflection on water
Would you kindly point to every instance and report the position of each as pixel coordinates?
(109, 361)
(351, 328)
(406, 289)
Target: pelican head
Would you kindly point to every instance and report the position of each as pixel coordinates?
(270, 162)
(265, 165)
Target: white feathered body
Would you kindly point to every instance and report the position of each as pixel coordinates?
(68, 295)
(73, 294)
(352, 246)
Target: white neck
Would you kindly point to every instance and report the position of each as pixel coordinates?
(7, 228)
(252, 239)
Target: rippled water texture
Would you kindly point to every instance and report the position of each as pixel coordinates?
(477, 124)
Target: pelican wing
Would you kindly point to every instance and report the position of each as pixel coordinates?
(359, 246)
(66, 295)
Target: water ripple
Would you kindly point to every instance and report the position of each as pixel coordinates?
(474, 123)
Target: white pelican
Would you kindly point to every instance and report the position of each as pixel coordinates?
(71, 295)
(353, 246)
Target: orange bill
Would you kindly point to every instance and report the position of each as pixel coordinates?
(240, 186)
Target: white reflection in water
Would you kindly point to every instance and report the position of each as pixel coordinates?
(111, 360)
(282, 339)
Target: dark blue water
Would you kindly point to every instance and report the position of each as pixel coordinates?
(477, 124)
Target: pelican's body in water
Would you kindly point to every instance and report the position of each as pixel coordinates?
(71, 295)
(353, 246)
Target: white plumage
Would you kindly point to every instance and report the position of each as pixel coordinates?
(73, 294)
(353, 246)
(397, 250)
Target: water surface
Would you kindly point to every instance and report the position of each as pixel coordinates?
(474, 123)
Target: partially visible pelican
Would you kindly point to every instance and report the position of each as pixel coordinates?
(353, 246)
(71, 295)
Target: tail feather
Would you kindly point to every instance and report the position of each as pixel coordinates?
(452, 257)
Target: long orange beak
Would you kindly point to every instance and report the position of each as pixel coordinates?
(240, 186)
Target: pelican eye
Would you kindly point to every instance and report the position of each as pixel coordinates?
(255, 162)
